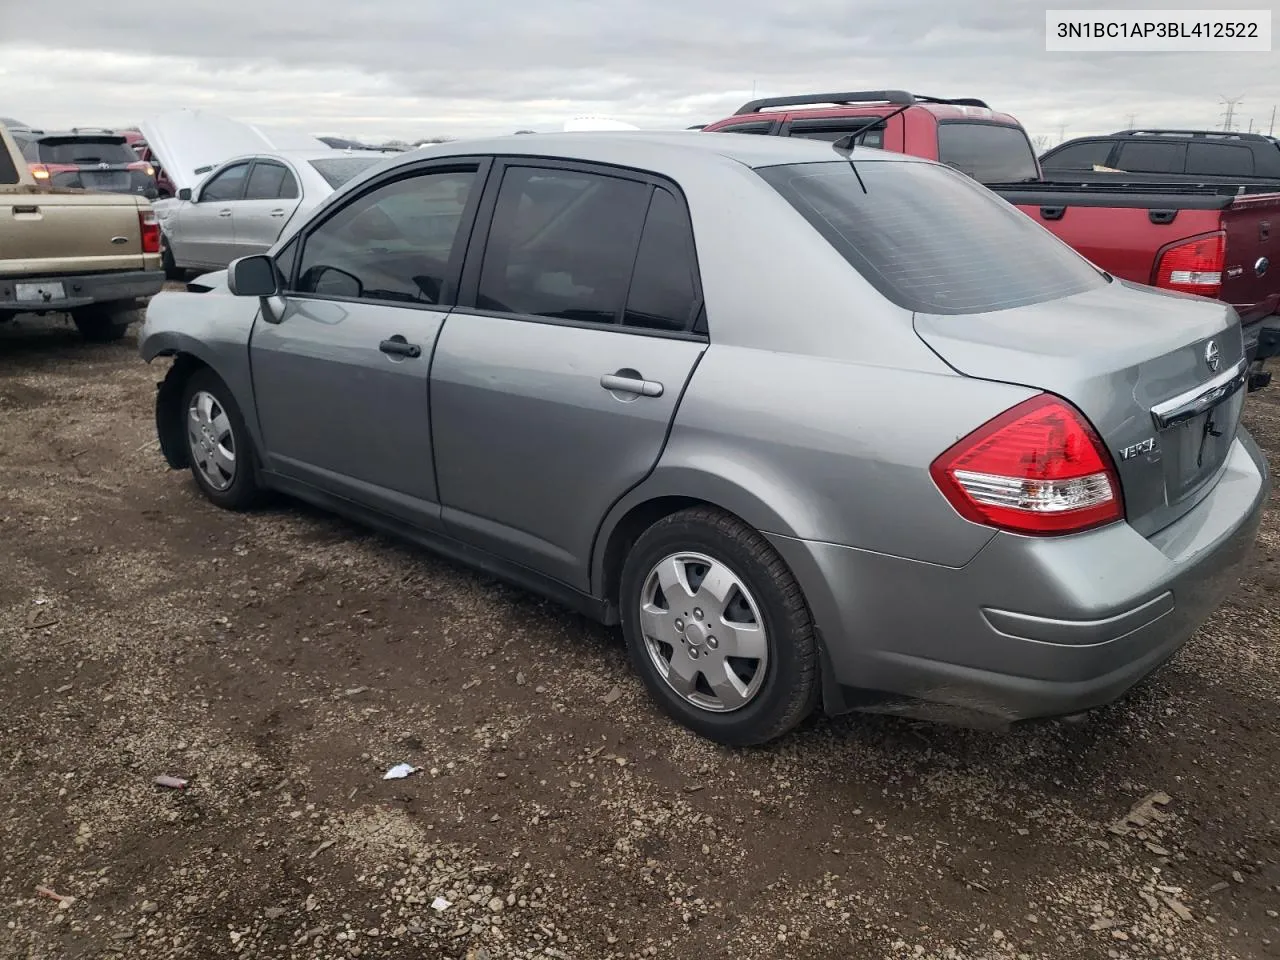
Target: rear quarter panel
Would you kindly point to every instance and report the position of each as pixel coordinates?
(49, 232)
(1252, 224)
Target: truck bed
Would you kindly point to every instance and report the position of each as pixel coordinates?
(1124, 228)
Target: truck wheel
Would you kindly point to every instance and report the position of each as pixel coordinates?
(218, 444)
(718, 628)
(105, 322)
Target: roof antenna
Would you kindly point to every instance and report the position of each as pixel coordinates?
(845, 144)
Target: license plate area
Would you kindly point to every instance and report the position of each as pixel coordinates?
(1196, 449)
(39, 292)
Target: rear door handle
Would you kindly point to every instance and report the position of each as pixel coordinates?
(224, 213)
(642, 388)
(397, 347)
(277, 213)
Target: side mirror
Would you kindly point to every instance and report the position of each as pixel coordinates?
(253, 276)
(184, 193)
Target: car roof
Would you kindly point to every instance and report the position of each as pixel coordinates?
(657, 151)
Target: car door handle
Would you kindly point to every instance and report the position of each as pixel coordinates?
(397, 347)
(619, 384)
(277, 213)
(224, 213)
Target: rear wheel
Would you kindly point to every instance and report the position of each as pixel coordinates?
(218, 443)
(718, 628)
(105, 322)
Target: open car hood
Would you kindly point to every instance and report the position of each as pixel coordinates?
(188, 143)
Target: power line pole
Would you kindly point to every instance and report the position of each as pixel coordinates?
(1132, 118)
(1250, 130)
(1062, 132)
(1230, 112)
(1271, 132)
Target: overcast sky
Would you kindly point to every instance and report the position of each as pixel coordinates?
(399, 68)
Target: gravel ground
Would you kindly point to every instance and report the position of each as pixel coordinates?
(282, 660)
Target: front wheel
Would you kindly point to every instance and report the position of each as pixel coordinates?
(718, 628)
(218, 443)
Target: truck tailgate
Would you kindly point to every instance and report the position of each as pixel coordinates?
(1251, 279)
(54, 232)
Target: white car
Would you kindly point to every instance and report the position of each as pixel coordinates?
(242, 206)
(237, 184)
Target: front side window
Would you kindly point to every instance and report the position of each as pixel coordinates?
(871, 135)
(562, 244)
(931, 240)
(271, 181)
(393, 243)
(988, 152)
(226, 185)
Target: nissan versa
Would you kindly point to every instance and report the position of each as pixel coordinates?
(813, 425)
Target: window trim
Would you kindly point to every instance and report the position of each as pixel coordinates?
(246, 163)
(478, 245)
(880, 123)
(273, 162)
(480, 165)
(774, 126)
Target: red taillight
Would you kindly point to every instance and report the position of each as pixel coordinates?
(1038, 469)
(45, 171)
(1194, 266)
(143, 167)
(150, 228)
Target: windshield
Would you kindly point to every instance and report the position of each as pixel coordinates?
(339, 170)
(988, 152)
(930, 239)
(85, 150)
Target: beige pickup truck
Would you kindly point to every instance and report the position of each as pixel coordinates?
(92, 255)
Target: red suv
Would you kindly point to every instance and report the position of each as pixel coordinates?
(964, 133)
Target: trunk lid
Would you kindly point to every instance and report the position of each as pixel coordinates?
(1138, 363)
(1251, 271)
(54, 232)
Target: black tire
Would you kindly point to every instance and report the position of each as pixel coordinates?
(105, 322)
(790, 688)
(243, 491)
(171, 270)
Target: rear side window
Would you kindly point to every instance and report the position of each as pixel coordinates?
(1219, 160)
(754, 126)
(85, 150)
(872, 134)
(988, 152)
(1079, 156)
(930, 239)
(1140, 157)
(271, 181)
(664, 288)
(562, 244)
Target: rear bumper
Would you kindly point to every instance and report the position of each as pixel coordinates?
(82, 290)
(1031, 627)
(1262, 338)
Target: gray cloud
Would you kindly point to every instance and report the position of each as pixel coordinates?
(383, 67)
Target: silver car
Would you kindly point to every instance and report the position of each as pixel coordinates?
(814, 428)
(243, 205)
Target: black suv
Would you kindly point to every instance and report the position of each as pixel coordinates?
(1181, 154)
(89, 160)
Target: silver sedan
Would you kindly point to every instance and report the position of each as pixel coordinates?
(244, 204)
(814, 426)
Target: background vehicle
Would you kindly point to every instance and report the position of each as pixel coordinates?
(964, 133)
(581, 312)
(92, 254)
(13, 124)
(244, 204)
(139, 145)
(86, 160)
(1207, 156)
(1178, 236)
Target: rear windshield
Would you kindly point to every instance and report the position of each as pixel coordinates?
(339, 170)
(930, 239)
(83, 150)
(988, 152)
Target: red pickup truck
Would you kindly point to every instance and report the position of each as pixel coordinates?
(1212, 240)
